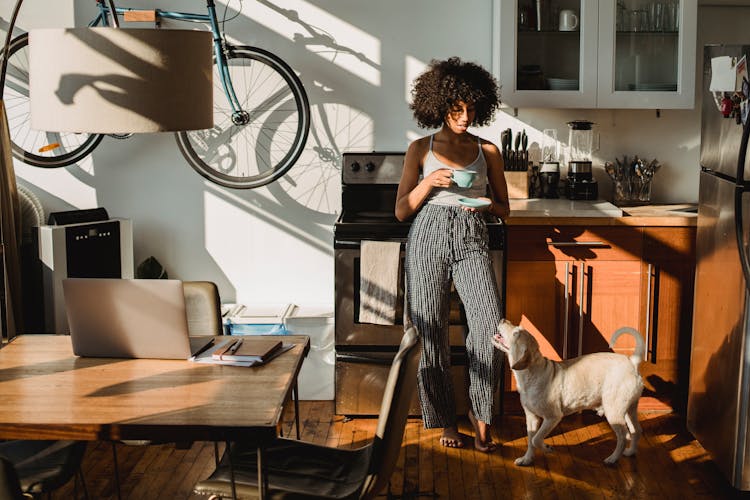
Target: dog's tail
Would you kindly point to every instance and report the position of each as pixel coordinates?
(640, 345)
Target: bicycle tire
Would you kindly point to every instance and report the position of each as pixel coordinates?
(33, 147)
(255, 154)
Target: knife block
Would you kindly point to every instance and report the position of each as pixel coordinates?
(518, 184)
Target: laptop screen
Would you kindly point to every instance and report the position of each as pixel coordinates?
(127, 318)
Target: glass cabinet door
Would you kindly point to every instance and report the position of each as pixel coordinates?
(547, 52)
(647, 53)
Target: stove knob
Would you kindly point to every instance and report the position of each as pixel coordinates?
(370, 166)
(354, 166)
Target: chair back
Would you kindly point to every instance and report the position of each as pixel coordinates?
(203, 308)
(10, 487)
(394, 411)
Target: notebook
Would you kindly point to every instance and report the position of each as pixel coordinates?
(129, 318)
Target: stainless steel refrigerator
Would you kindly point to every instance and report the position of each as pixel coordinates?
(718, 412)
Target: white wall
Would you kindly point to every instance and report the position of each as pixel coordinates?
(356, 59)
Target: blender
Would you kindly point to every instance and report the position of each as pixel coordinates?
(549, 172)
(580, 183)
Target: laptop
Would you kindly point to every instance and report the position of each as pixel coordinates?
(129, 318)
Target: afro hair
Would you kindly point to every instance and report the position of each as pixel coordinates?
(448, 81)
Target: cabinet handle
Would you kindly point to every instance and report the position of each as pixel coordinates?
(648, 312)
(580, 308)
(577, 244)
(566, 325)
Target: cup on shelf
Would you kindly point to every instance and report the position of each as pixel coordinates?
(656, 16)
(568, 20)
(672, 15)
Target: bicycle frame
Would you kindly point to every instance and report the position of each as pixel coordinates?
(239, 116)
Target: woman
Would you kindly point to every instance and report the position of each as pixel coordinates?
(448, 241)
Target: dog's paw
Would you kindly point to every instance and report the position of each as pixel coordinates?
(611, 460)
(524, 461)
(629, 453)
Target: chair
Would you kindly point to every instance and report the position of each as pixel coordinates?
(40, 467)
(203, 308)
(10, 488)
(306, 470)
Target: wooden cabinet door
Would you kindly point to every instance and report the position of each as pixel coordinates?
(669, 254)
(538, 298)
(609, 298)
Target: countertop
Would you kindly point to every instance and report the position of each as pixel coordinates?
(563, 212)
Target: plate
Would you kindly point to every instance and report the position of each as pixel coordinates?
(474, 202)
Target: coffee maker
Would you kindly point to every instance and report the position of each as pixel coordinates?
(580, 183)
(549, 171)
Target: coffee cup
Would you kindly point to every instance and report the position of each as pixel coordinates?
(568, 20)
(463, 178)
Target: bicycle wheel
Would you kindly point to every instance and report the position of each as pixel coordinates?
(274, 130)
(35, 147)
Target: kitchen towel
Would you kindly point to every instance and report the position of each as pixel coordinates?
(378, 281)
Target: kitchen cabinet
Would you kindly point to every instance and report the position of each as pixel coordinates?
(622, 53)
(572, 286)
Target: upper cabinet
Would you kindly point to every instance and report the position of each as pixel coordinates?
(596, 53)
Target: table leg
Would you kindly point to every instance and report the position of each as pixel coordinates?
(117, 471)
(231, 472)
(295, 395)
(262, 479)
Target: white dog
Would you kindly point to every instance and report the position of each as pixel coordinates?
(606, 382)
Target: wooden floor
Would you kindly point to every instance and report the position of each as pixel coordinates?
(669, 463)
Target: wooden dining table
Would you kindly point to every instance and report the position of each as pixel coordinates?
(49, 393)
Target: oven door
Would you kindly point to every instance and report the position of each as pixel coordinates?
(349, 331)
(361, 379)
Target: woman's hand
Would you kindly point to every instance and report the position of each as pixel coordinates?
(440, 178)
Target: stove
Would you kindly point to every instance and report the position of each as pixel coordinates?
(369, 183)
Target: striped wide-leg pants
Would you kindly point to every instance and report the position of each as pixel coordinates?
(447, 243)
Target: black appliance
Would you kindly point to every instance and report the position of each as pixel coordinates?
(364, 351)
(718, 412)
(580, 184)
(75, 244)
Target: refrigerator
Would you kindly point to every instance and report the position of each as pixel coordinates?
(718, 411)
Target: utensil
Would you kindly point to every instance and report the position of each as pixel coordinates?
(505, 138)
(524, 151)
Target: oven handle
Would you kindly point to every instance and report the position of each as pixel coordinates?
(364, 358)
(356, 244)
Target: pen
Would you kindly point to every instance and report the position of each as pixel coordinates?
(234, 347)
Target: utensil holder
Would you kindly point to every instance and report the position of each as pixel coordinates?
(631, 191)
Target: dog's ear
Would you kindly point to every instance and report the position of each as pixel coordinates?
(523, 362)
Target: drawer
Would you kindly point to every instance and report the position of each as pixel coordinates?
(669, 243)
(574, 243)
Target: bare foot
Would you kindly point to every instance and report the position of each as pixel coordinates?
(451, 438)
(482, 435)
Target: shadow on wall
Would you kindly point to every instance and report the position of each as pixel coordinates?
(353, 70)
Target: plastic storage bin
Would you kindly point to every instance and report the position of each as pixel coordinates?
(316, 378)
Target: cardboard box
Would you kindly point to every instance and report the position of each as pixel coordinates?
(518, 184)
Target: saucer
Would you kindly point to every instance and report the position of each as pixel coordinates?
(474, 202)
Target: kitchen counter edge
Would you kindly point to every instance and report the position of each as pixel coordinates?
(637, 221)
(641, 216)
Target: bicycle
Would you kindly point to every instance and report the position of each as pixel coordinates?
(261, 112)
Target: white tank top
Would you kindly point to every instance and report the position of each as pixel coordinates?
(451, 194)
